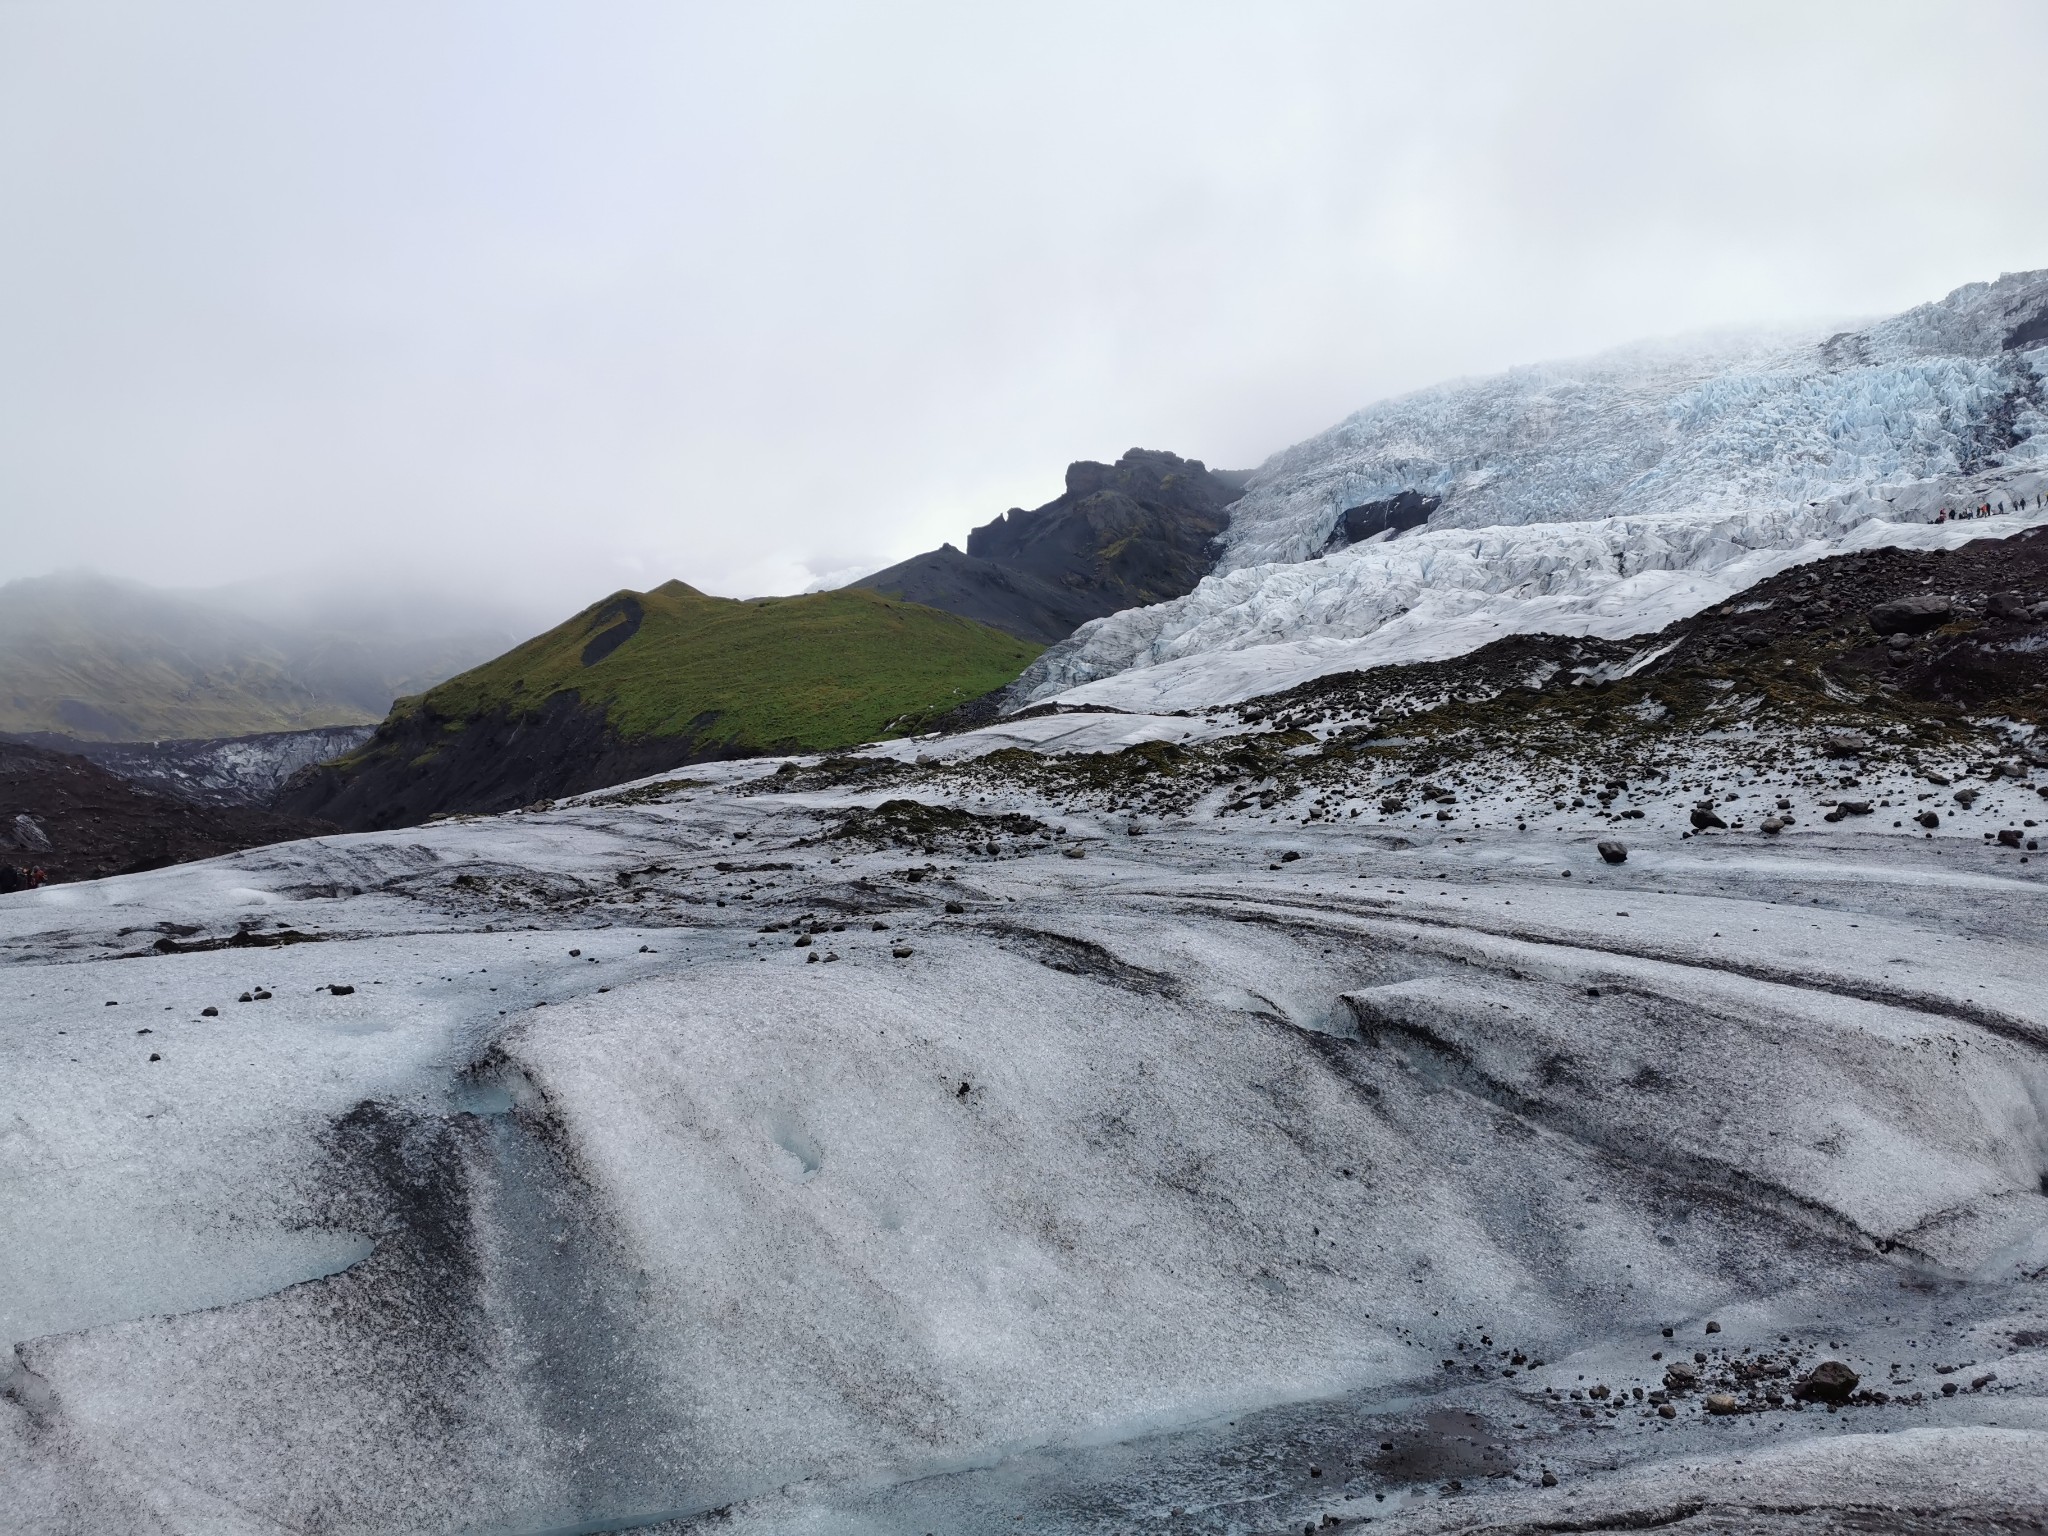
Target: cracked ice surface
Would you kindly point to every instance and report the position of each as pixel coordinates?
(1607, 496)
(1142, 1181)
(1439, 594)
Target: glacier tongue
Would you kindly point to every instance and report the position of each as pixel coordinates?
(1607, 496)
(1444, 592)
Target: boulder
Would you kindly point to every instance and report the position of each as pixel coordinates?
(1613, 852)
(2006, 605)
(1911, 615)
(2010, 837)
(1829, 1382)
(1703, 817)
(1929, 819)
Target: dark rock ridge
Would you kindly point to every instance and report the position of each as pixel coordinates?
(2030, 332)
(1397, 514)
(97, 824)
(621, 617)
(497, 762)
(1122, 535)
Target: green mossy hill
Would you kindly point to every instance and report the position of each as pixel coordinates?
(647, 681)
(771, 674)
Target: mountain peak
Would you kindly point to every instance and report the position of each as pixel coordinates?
(1138, 531)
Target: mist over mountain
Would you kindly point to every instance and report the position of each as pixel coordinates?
(100, 659)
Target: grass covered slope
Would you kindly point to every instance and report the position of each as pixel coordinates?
(770, 674)
(650, 680)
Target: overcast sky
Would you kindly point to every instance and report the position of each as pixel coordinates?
(547, 299)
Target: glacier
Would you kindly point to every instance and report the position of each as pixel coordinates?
(1607, 496)
(230, 770)
(668, 1161)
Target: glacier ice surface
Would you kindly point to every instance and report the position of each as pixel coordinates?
(1173, 1141)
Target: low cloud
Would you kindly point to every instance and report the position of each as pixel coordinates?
(538, 303)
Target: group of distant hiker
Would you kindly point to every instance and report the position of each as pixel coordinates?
(1986, 509)
(12, 879)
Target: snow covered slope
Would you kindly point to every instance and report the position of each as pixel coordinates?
(1606, 496)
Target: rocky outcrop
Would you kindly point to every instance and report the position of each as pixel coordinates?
(1122, 535)
(1395, 514)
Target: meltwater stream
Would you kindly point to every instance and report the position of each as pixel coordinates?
(103, 1277)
